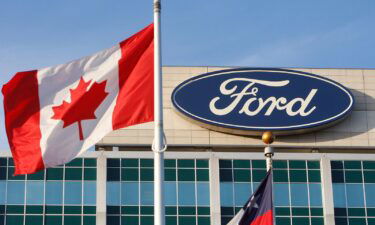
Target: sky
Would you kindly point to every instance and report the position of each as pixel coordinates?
(273, 33)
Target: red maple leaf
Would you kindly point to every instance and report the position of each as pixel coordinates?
(82, 105)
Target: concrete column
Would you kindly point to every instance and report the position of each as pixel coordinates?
(215, 212)
(327, 190)
(101, 189)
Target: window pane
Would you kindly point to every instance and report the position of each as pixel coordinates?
(186, 193)
(242, 192)
(299, 194)
(89, 193)
(339, 196)
(147, 193)
(370, 195)
(315, 195)
(226, 194)
(281, 194)
(54, 192)
(35, 192)
(73, 192)
(2, 192)
(16, 192)
(113, 193)
(354, 194)
(203, 194)
(129, 193)
(170, 193)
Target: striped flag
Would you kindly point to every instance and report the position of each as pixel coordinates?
(258, 210)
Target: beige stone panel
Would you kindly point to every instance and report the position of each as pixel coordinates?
(360, 99)
(353, 78)
(342, 139)
(179, 77)
(325, 138)
(181, 140)
(370, 94)
(369, 72)
(354, 72)
(198, 70)
(220, 141)
(339, 79)
(146, 133)
(343, 126)
(337, 72)
(369, 78)
(149, 125)
(360, 139)
(371, 121)
(146, 140)
(200, 141)
(358, 121)
(321, 72)
(182, 133)
(120, 140)
(369, 85)
(302, 70)
(360, 106)
(372, 139)
(252, 141)
(175, 69)
(128, 132)
(215, 134)
(370, 107)
(212, 69)
(354, 85)
(200, 133)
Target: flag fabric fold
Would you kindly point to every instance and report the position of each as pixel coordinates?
(52, 115)
(258, 210)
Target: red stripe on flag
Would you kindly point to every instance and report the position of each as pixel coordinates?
(265, 219)
(22, 117)
(135, 101)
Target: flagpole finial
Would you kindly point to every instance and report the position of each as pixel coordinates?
(268, 137)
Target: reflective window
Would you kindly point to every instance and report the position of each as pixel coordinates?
(203, 194)
(73, 193)
(35, 192)
(113, 193)
(16, 192)
(2, 192)
(296, 184)
(54, 192)
(353, 189)
(147, 193)
(281, 194)
(170, 193)
(186, 193)
(89, 193)
(129, 193)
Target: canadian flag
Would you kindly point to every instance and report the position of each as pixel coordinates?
(54, 114)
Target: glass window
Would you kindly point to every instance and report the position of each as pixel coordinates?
(2, 191)
(89, 193)
(16, 192)
(170, 193)
(242, 193)
(54, 192)
(370, 195)
(281, 194)
(147, 193)
(315, 194)
(186, 193)
(129, 193)
(299, 196)
(35, 192)
(113, 193)
(203, 194)
(339, 196)
(73, 192)
(354, 193)
(226, 194)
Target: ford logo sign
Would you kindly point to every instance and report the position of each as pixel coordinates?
(250, 101)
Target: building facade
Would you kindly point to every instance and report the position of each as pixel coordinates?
(324, 177)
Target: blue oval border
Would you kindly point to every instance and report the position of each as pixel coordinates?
(256, 130)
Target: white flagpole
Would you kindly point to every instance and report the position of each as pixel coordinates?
(158, 146)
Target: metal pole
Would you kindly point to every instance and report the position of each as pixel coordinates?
(268, 153)
(158, 144)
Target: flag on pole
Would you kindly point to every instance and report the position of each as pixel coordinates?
(54, 114)
(258, 210)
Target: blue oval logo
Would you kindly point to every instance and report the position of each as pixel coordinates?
(250, 101)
